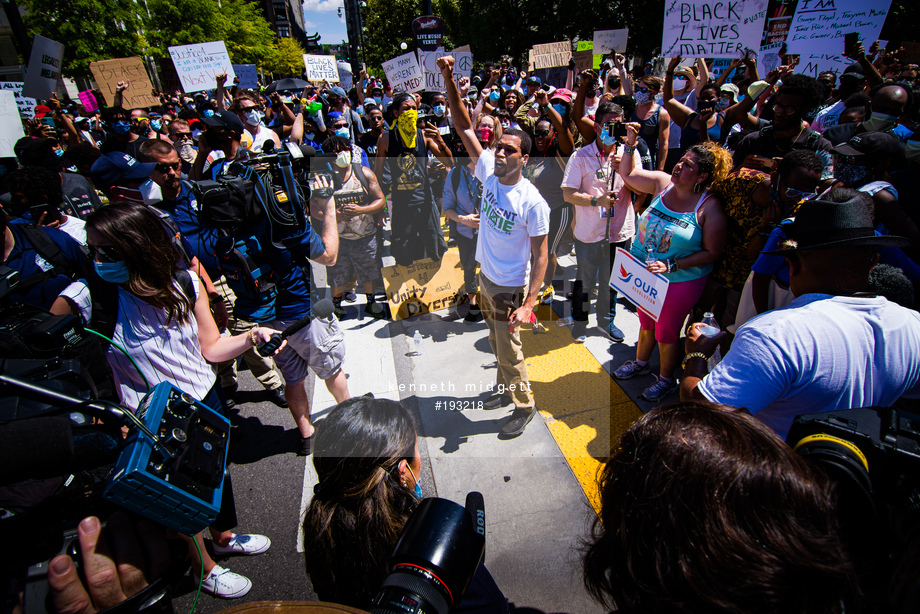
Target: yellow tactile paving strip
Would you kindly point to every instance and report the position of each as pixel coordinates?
(586, 411)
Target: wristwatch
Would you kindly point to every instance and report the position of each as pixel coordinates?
(693, 355)
(594, 201)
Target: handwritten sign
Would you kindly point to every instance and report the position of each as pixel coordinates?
(428, 61)
(10, 124)
(554, 76)
(813, 64)
(712, 29)
(643, 289)
(321, 68)
(424, 286)
(108, 73)
(44, 68)
(404, 73)
(820, 26)
(552, 54)
(606, 41)
(249, 78)
(88, 100)
(198, 65)
(25, 104)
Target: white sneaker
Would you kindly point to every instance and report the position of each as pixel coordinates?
(226, 584)
(244, 544)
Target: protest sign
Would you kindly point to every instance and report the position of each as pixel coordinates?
(584, 46)
(461, 49)
(813, 64)
(424, 286)
(132, 71)
(643, 289)
(428, 31)
(321, 68)
(10, 124)
(819, 26)
(404, 73)
(44, 68)
(712, 29)
(25, 104)
(247, 75)
(428, 61)
(554, 76)
(719, 65)
(88, 100)
(779, 19)
(198, 65)
(606, 41)
(583, 60)
(552, 54)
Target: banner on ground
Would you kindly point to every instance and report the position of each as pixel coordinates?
(424, 286)
(550, 55)
(88, 100)
(25, 104)
(198, 65)
(643, 289)
(10, 124)
(428, 61)
(321, 68)
(712, 29)
(132, 71)
(606, 41)
(404, 73)
(247, 74)
(820, 26)
(44, 68)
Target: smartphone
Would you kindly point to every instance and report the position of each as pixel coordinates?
(48, 121)
(36, 212)
(619, 130)
(760, 163)
(546, 87)
(850, 39)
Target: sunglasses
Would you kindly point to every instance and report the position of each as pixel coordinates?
(180, 135)
(644, 90)
(104, 253)
(541, 133)
(165, 167)
(792, 193)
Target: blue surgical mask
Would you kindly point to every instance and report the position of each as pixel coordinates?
(121, 127)
(310, 136)
(494, 96)
(560, 108)
(418, 483)
(607, 138)
(439, 110)
(112, 272)
(59, 152)
(342, 132)
(156, 125)
(378, 100)
(360, 111)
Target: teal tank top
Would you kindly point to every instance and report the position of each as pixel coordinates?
(671, 235)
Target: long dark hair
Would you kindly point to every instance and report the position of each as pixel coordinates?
(359, 506)
(704, 509)
(140, 237)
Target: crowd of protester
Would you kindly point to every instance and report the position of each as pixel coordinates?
(782, 204)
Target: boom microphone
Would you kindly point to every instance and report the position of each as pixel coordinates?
(322, 309)
(476, 506)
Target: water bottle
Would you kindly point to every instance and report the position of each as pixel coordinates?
(651, 247)
(418, 342)
(711, 328)
(566, 321)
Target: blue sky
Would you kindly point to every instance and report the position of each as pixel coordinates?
(322, 16)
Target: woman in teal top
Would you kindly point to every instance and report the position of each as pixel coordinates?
(680, 235)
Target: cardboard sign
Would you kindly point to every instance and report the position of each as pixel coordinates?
(321, 68)
(88, 100)
(819, 26)
(198, 65)
(108, 73)
(813, 64)
(552, 54)
(555, 76)
(645, 290)
(404, 73)
(425, 286)
(428, 61)
(606, 41)
(583, 60)
(247, 74)
(712, 28)
(462, 49)
(25, 104)
(44, 68)
(10, 124)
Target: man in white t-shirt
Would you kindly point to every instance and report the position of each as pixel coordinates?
(513, 226)
(836, 346)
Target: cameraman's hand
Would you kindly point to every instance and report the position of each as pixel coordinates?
(116, 565)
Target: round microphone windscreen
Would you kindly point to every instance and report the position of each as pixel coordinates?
(323, 309)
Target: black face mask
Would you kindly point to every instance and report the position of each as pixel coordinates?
(613, 84)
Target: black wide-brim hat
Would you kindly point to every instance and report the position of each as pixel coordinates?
(822, 224)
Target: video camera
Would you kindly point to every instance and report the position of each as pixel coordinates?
(873, 457)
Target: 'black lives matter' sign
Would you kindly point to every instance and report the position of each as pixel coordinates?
(708, 29)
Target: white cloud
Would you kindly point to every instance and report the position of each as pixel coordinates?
(309, 24)
(322, 6)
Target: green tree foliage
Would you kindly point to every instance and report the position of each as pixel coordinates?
(90, 30)
(286, 59)
(238, 23)
(387, 23)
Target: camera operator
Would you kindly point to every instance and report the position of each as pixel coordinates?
(369, 470)
(223, 135)
(705, 510)
(36, 198)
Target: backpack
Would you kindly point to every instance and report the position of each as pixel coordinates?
(228, 201)
(243, 260)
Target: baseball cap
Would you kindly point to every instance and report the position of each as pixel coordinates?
(871, 144)
(562, 94)
(534, 79)
(115, 166)
(338, 91)
(225, 119)
(41, 110)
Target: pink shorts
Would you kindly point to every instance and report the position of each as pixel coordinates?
(681, 298)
